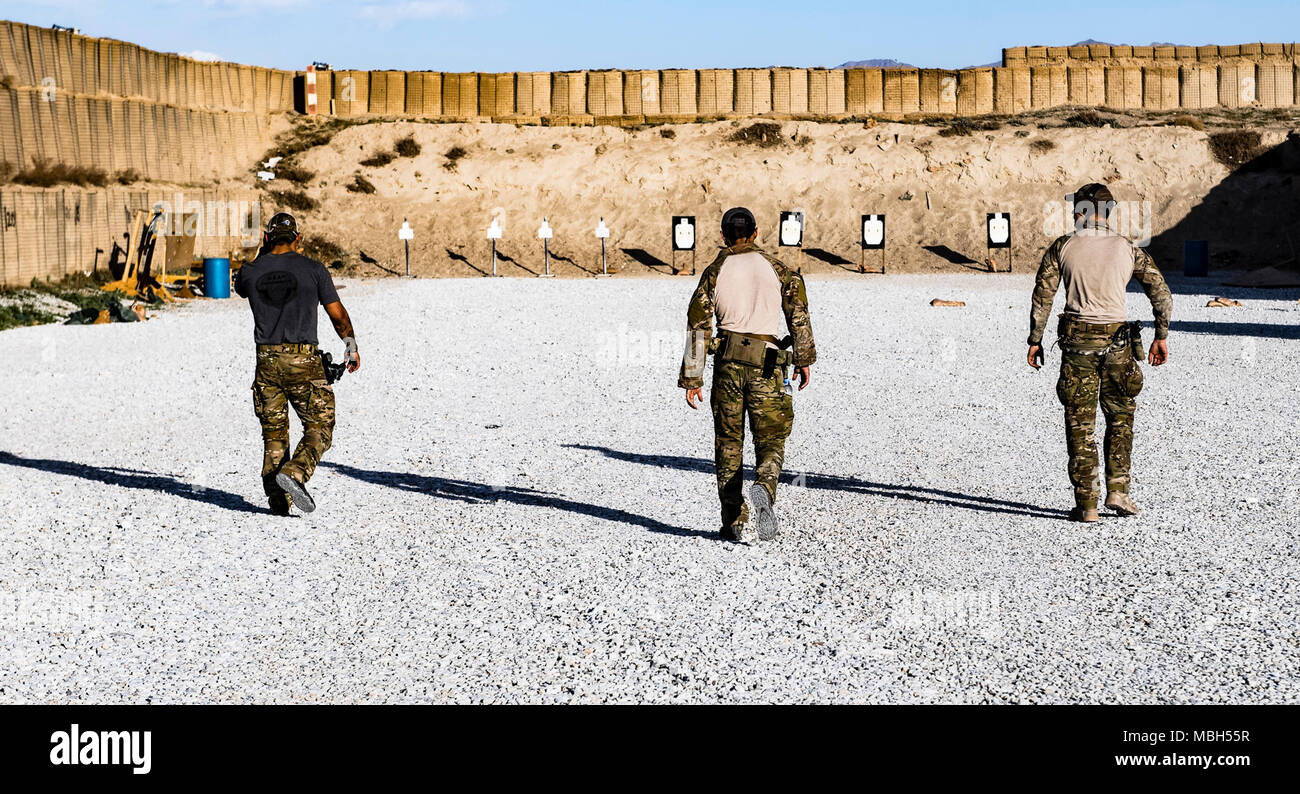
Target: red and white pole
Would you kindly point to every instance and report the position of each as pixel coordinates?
(311, 90)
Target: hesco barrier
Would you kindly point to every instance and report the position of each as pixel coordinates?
(61, 66)
(113, 105)
(51, 233)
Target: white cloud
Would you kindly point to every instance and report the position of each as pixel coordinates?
(202, 55)
(389, 14)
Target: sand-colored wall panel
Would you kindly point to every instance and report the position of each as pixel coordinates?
(1117, 87)
(568, 93)
(1207, 52)
(1017, 83)
(1276, 83)
(974, 92)
(1040, 89)
(1185, 53)
(351, 93)
(504, 105)
(863, 91)
(938, 89)
(1237, 85)
(902, 90)
(1199, 87)
(753, 91)
(716, 92)
(605, 93)
(1079, 52)
(533, 93)
(460, 95)
(1144, 52)
(1014, 55)
(1165, 52)
(15, 55)
(641, 92)
(1098, 51)
(678, 92)
(826, 92)
(1159, 88)
(10, 145)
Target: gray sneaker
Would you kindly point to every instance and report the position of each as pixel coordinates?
(297, 492)
(1121, 503)
(763, 516)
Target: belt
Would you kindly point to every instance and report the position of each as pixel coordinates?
(765, 338)
(308, 347)
(1113, 336)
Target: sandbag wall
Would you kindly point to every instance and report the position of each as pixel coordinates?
(51, 233)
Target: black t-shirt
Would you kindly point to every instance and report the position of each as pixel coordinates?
(283, 291)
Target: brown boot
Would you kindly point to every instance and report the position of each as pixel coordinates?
(1121, 503)
(1084, 515)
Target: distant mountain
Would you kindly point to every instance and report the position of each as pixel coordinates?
(1108, 44)
(876, 63)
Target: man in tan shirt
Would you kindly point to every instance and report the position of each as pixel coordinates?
(751, 295)
(1099, 348)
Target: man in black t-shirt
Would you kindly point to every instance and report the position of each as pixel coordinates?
(283, 289)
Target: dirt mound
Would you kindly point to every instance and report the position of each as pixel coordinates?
(934, 184)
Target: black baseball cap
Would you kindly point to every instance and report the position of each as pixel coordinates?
(1095, 195)
(282, 228)
(738, 223)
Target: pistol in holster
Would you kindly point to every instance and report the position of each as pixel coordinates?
(1135, 340)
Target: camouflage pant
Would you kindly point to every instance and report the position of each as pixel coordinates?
(740, 390)
(289, 375)
(1114, 379)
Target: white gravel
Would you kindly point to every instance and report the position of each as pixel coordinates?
(520, 507)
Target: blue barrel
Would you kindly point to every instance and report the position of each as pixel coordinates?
(216, 277)
(1196, 258)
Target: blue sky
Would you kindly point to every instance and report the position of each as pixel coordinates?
(513, 35)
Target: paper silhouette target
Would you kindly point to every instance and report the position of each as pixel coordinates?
(683, 232)
(999, 228)
(873, 232)
(791, 235)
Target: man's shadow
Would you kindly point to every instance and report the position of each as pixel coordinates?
(831, 482)
(131, 478)
(480, 493)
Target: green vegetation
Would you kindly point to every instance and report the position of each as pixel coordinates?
(22, 314)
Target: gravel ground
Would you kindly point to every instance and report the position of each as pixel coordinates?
(520, 507)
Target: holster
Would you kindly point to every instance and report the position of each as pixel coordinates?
(1135, 340)
(752, 350)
